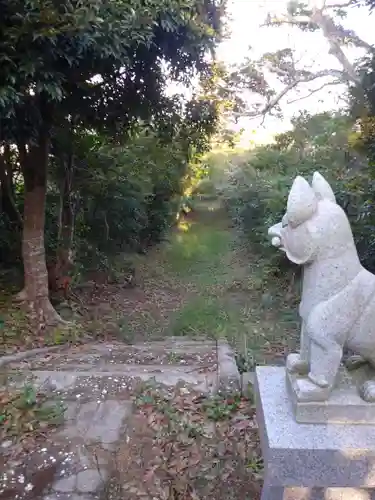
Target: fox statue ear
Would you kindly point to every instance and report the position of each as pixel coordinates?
(322, 189)
(302, 202)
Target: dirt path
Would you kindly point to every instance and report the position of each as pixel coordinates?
(202, 283)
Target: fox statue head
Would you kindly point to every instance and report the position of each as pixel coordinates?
(314, 226)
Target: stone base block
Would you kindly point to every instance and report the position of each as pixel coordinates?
(344, 406)
(317, 494)
(306, 460)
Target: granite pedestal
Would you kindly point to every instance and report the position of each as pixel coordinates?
(310, 461)
(344, 405)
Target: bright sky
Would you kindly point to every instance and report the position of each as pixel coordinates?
(247, 15)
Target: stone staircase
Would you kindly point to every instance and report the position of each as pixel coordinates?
(97, 382)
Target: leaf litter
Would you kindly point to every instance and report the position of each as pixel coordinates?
(182, 445)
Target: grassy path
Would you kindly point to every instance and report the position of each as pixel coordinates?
(203, 282)
(200, 282)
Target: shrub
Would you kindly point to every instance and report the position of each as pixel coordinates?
(257, 192)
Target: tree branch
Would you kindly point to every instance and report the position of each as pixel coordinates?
(335, 34)
(339, 5)
(275, 101)
(292, 20)
(358, 42)
(311, 92)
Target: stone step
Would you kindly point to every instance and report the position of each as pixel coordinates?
(96, 355)
(126, 369)
(119, 381)
(81, 452)
(97, 383)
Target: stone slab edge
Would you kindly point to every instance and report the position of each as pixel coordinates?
(229, 379)
(19, 356)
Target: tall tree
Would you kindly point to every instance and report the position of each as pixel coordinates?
(257, 77)
(97, 64)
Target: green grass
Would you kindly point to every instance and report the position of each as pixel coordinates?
(230, 294)
(197, 251)
(204, 315)
(204, 281)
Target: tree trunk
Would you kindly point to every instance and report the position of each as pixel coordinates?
(34, 166)
(64, 261)
(329, 30)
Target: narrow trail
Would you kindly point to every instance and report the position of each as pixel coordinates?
(202, 281)
(141, 419)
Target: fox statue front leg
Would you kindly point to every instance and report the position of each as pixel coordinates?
(299, 362)
(326, 342)
(324, 366)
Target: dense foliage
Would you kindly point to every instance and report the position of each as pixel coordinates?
(83, 104)
(340, 145)
(97, 159)
(258, 185)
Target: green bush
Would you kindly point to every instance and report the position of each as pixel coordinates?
(257, 191)
(124, 197)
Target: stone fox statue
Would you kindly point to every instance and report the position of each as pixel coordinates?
(338, 295)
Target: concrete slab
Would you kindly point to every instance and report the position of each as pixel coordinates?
(308, 455)
(344, 406)
(316, 494)
(101, 356)
(97, 382)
